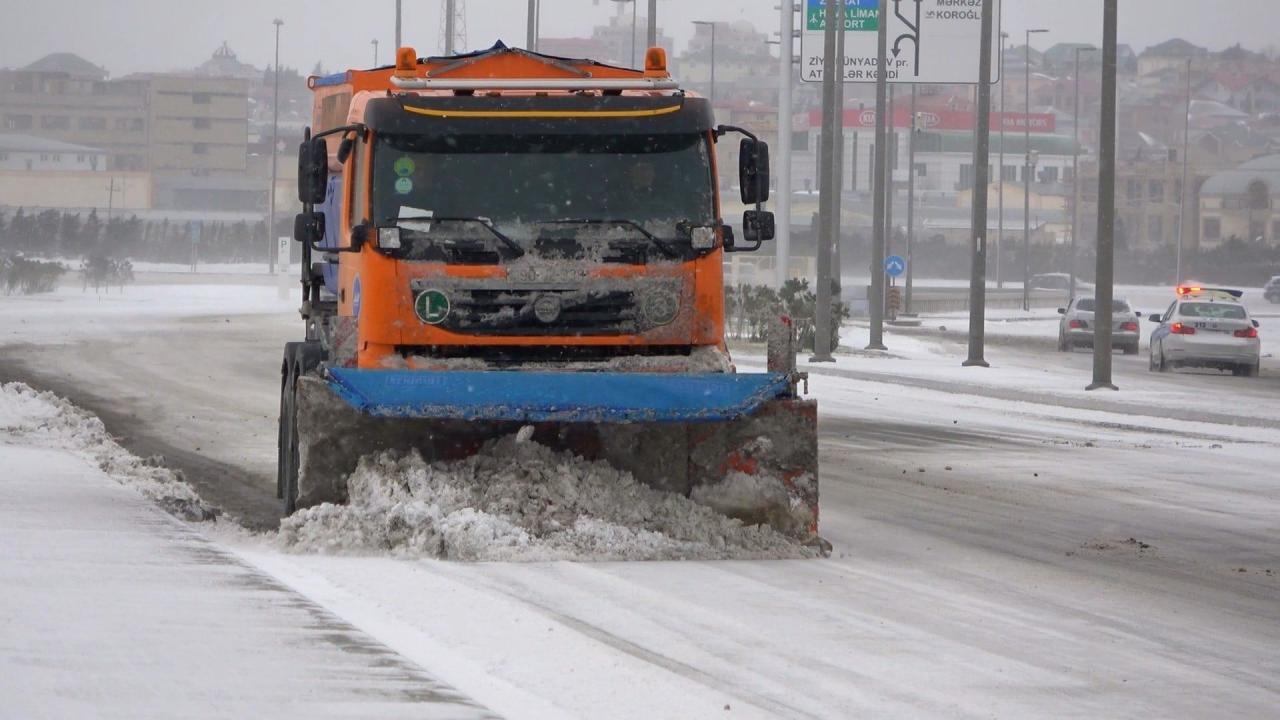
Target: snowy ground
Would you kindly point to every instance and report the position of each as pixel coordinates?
(1006, 544)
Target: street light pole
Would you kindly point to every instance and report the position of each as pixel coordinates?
(782, 242)
(653, 23)
(831, 115)
(1106, 204)
(398, 14)
(912, 129)
(1027, 170)
(374, 42)
(1075, 177)
(634, 3)
(876, 301)
(275, 142)
(531, 35)
(1000, 226)
(981, 186)
(711, 95)
(1182, 198)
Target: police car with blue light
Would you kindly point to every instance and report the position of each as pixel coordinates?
(1206, 328)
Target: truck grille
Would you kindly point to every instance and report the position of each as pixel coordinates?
(512, 312)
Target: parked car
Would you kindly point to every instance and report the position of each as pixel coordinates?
(1206, 327)
(1059, 281)
(1271, 291)
(1076, 326)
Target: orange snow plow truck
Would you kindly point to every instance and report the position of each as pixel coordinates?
(506, 239)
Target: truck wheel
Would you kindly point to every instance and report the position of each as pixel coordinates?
(300, 358)
(1251, 370)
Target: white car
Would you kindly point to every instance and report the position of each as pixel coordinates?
(1076, 326)
(1206, 327)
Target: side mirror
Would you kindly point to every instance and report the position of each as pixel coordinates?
(308, 228)
(344, 149)
(313, 171)
(753, 171)
(758, 226)
(1137, 313)
(1154, 318)
(1062, 311)
(726, 232)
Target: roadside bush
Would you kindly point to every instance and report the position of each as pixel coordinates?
(28, 277)
(750, 308)
(104, 272)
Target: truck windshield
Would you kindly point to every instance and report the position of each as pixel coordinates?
(545, 190)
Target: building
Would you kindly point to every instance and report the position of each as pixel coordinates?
(745, 69)
(38, 173)
(1243, 203)
(30, 153)
(143, 122)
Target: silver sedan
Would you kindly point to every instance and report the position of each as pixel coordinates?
(1076, 326)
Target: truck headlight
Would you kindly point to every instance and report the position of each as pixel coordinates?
(702, 238)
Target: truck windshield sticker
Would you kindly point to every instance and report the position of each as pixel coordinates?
(404, 166)
(404, 186)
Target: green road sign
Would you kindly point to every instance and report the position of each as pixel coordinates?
(431, 306)
(859, 15)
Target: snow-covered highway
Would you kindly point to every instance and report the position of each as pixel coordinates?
(1006, 545)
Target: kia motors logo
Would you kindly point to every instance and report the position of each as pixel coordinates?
(867, 118)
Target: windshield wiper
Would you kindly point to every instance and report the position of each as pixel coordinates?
(486, 223)
(662, 245)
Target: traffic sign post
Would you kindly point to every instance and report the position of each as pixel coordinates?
(930, 41)
(894, 266)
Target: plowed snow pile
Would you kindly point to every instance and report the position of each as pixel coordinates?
(46, 420)
(521, 501)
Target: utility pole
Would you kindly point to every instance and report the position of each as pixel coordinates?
(893, 167)
(531, 36)
(831, 114)
(786, 41)
(1028, 171)
(981, 183)
(1000, 220)
(1106, 204)
(399, 43)
(911, 198)
(1182, 198)
(1075, 178)
(837, 174)
(275, 146)
(876, 301)
(653, 22)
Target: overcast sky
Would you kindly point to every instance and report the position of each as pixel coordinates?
(157, 35)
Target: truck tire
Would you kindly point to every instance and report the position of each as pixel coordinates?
(300, 358)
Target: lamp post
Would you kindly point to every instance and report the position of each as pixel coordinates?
(712, 94)
(1075, 175)
(531, 37)
(1000, 222)
(1029, 171)
(1182, 197)
(782, 243)
(633, 28)
(398, 16)
(275, 142)
(651, 36)
(374, 42)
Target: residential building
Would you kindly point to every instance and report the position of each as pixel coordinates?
(1242, 203)
(31, 153)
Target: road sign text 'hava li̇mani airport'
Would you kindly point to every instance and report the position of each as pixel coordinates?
(930, 41)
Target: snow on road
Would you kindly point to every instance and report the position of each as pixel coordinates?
(113, 609)
(1006, 545)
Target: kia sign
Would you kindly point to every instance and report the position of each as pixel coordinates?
(945, 120)
(930, 41)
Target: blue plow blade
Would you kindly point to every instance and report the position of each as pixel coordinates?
(556, 397)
